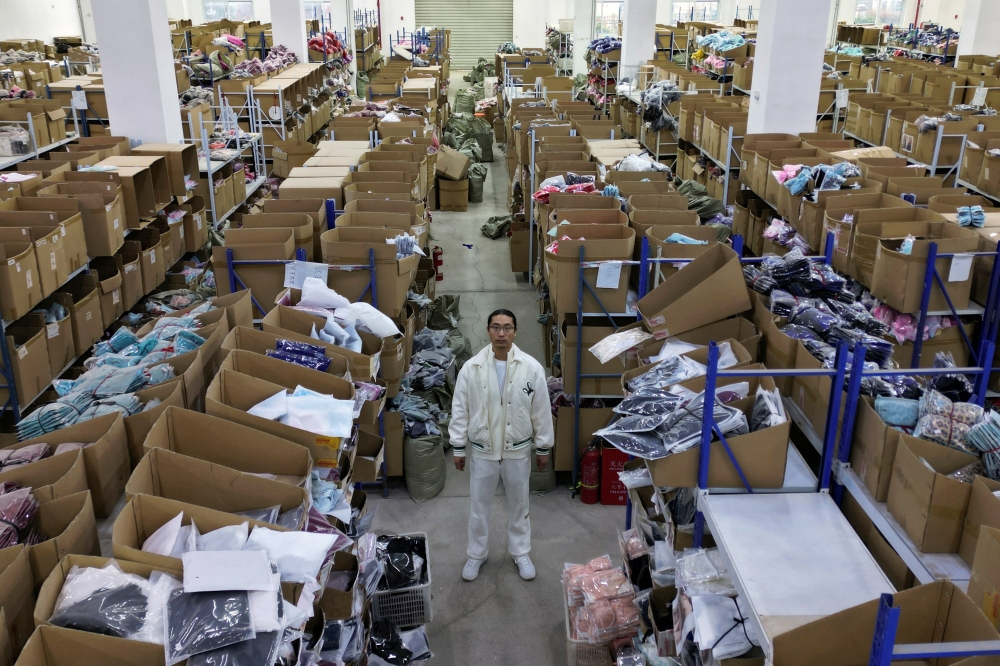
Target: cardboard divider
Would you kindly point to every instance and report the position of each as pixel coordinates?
(170, 394)
(51, 478)
(71, 529)
(258, 343)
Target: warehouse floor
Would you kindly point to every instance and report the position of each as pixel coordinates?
(498, 618)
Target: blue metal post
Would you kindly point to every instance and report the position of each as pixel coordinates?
(885, 632)
(8, 373)
(707, 423)
(738, 245)
(579, 353)
(374, 282)
(643, 269)
(232, 270)
(828, 250)
(832, 417)
(925, 299)
(331, 213)
(991, 318)
(850, 410)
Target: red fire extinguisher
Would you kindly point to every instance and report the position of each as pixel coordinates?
(438, 255)
(590, 476)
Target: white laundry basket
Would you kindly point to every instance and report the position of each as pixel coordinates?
(409, 606)
(583, 653)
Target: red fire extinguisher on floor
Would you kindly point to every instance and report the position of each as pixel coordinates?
(437, 254)
(590, 476)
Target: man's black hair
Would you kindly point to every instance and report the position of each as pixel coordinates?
(497, 313)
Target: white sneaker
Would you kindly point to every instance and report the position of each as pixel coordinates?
(471, 569)
(525, 567)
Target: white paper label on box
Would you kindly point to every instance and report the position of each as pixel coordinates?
(869, 91)
(62, 231)
(107, 209)
(52, 261)
(609, 275)
(197, 220)
(296, 273)
(274, 113)
(152, 256)
(979, 98)
(842, 98)
(116, 296)
(182, 231)
(129, 268)
(79, 99)
(22, 352)
(89, 316)
(11, 262)
(961, 266)
(116, 223)
(51, 331)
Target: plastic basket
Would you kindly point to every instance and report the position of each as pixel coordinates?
(583, 653)
(409, 606)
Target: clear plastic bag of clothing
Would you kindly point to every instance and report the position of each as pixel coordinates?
(203, 621)
(667, 372)
(618, 343)
(901, 412)
(268, 515)
(648, 401)
(341, 641)
(299, 555)
(404, 560)
(261, 650)
(231, 537)
(768, 410)
(386, 644)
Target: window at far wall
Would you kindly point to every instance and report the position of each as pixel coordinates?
(315, 10)
(879, 12)
(233, 10)
(700, 10)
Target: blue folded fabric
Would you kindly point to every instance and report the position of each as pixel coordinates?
(897, 411)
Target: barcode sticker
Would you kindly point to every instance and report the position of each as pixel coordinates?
(22, 352)
(115, 297)
(52, 331)
(116, 223)
(90, 315)
(152, 256)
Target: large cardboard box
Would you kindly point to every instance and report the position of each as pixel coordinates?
(20, 288)
(17, 595)
(109, 279)
(181, 162)
(364, 365)
(130, 258)
(927, 504)
(599, 242)
(370, 455)
(106, 458)
(264, 281)
(29, 357)
(984, 582)
(314, 208)
(157, 167)
(393, 276)
(71, 529)
(102, 211)
(52, 477)
(299, 223)
(591, 419)
(873, 451)
(710, 288)
(228, 444)
(85, 312)
(231, 394)
(170, 394)
(933, 613)
(137, 194)
(59, 336)
(50, 645)
(257, 364)
(983, 516)
(453, 195)
(164, 473)
(594, 330)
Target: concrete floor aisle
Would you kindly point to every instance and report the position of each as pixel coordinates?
(499, 618)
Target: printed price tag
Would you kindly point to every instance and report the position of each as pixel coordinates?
(296, 273)
(609, 274)
(961, 266)
(79, 100)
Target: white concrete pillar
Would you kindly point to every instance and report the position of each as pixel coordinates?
(583, 32)
(788, 66)
(288, 26)
(979, 34)
(665, 12)
(397, 15)
(638, 35)
(529, 23)
(138, 67)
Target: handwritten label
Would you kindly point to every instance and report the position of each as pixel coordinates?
(842, 96)
(79, 100)
(609, 274)
(979, 97)
(296, 273)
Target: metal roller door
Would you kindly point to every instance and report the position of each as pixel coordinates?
(477, 26)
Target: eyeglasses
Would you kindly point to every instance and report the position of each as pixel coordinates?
(497, 328)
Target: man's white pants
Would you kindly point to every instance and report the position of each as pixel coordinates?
(485, 474)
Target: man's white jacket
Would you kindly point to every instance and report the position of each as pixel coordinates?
(496, 429)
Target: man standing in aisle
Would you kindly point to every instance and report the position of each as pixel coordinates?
(501, 408)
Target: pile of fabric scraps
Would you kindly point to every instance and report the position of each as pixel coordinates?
(17, 513)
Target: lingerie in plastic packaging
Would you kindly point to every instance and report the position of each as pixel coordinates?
(204, 621)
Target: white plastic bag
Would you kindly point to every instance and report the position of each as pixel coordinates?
(231, 537)
(299, 555)
(618, 343)
(316, 294)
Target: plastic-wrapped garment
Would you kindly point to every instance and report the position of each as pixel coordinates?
(934, 403)
(268, 515)
(203, 621)
(648, 401)
(768, 410)
(299, 555)
(404, 558)
(956, 388)
(310, 411)
(671, 371)
(619, 343)
(11, 458)
(721, 625)
(305, 360)
(17, 511)
(800, 332)
(386, 644)
(110, 602)
(315, 293)
(126, 404)
(231, 537)
(757, 279)
(985, 437)
(898, 412)
(341, 641)
(943, 430)
(877, 350)
(817, 320)
(258, 651)
(701, 571)
(121, 339)
(106, 382)
(605, 584)
(682, 430)
(425, 466)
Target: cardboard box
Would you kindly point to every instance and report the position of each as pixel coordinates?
(164, 473)
(71, 528)
(157, 167)
(29, 357)
(290, 154)
(710, 288)
(17, 595)
(370, 455)
(314, 208)
(926, 503)
(393, 276)
(257, 344)
(170, 394)
(137, 194)
(107, 460)
(102, 211)
(130, 257)
(364, 365)
(54, 646)
(591, 419)
(265, 281)
(53, 268)
(982, 517)
(109, 278)
(53, 477)
(20, 288)
(299, 223)
(593, 332)
(85, 312)
(874, 450)
(600, 242)
(453, 195)
(231, 394)
(984, 582)
(143, 515)
(451, 164)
